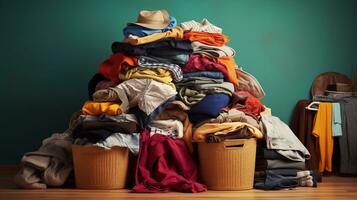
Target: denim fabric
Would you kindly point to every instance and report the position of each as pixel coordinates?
(208, 74)
(274, 181)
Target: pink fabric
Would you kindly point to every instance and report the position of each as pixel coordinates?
(199, 63)
(164, 164)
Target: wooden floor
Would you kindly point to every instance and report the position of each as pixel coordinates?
(333, 188)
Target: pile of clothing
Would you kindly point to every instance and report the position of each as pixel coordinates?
(280, 160)
(163, 88)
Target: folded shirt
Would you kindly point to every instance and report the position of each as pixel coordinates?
(225, 65)
(148, 62)
(99, 108)
(212, 51)
(207, 74)
(203, 26)
(158, 74)
(213, 39)
(263, 164)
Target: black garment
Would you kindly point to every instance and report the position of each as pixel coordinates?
(93, 83)
(243, 133)
(348, 140)
(160, 48)
(96, 134)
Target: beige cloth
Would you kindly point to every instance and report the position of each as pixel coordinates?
(212, 51)
(203, 26)
(249, 83)
(235, 115)
(200, 133)
(50, 165)
(169, 127)
(147, 94)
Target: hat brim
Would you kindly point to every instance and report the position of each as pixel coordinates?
(151, 26)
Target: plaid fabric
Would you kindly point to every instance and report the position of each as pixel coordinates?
(175, 70)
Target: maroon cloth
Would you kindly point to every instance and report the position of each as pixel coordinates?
(199, 63)
(246, 103)
(164, 164)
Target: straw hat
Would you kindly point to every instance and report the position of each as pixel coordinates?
(156, 19)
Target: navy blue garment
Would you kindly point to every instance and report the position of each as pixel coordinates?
(160, 48)
(274, 182)
(209, 107)
(208, 74)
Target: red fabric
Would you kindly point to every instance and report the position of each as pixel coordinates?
(200, 63)
(245, 102)
(164, 164)
(117, 63)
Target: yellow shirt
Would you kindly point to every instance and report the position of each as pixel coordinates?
(176, 32)
(157, 74)
(223, 128)
(323, 131)
(98, 108)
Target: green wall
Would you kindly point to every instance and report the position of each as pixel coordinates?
(49, 50)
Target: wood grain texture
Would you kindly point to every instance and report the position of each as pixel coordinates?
(333, 188)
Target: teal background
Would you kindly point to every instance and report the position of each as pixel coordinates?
(50, 49)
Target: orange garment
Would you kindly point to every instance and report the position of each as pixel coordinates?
(176, 32)
(117, 63)
(229, 63)
(99, 108)
(213, 39)
(323, 131)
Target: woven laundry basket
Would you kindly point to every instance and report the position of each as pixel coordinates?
(98, 168)
(228, 165)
